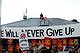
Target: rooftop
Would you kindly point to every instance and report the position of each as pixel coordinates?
(39, 22)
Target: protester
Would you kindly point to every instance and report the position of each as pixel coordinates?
(79, 50)
(76, 48)
(36, 49)
(45, 51)
(17, 48)
(1, 48)
(72, 50)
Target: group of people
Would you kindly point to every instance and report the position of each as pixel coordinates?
(42, 49)
(38, 49)
(53, 49)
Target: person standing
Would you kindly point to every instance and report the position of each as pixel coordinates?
(72, 50)
(79, 50)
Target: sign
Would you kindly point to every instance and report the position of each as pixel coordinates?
(23, 41)
(61, 31)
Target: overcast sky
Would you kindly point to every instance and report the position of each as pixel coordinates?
(13, 10)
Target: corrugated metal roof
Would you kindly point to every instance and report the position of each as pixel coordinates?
(37, 21)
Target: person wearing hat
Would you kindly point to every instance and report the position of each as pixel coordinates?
(71, 49)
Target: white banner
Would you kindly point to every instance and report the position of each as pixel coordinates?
(23, 41)
(72, 30)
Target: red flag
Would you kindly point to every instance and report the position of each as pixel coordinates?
(71, 41)
(45, 18)
(64, 40)
(47, 42)
(60, 46)
(54, 42)
(33, 42)
(10, 48)
(39, 42)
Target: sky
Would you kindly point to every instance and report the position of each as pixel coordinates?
(13, 10)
